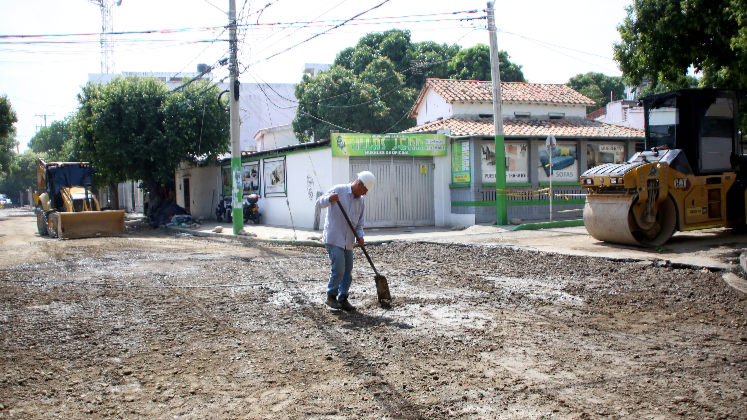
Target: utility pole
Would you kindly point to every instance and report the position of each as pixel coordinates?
(238, 188)
(501, 202)
(45, 119)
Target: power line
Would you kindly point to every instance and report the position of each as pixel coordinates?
(316, 35)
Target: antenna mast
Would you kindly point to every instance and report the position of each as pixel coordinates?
(107, 41)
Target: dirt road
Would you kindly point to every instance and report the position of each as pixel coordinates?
(155, 325)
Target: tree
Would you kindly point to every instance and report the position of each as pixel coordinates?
(133, 128)
(662, 39)
(396, 45)
(373, 102)
(22, 175)
(474, 64)
(7, 133)
(372, 86)
(598, 86)
(52, 140)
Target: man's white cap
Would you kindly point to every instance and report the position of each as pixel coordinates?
(367, 178)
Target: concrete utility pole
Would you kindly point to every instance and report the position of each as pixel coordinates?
(237, 189)
(45, 119)
(501, 202)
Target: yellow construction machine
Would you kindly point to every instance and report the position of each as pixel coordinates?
(691, 175)
(66, 206)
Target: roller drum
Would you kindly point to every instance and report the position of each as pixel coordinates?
(608, 218)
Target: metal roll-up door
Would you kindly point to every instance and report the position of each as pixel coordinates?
(403, 195)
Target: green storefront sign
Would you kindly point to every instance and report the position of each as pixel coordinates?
(347, 144)
(460, 162)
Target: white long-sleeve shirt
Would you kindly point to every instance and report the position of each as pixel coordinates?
(336, 229)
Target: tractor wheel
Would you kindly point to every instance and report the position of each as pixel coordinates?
(53, 224)
(41, 221)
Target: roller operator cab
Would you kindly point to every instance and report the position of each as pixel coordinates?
(66, 206)
(691, 175)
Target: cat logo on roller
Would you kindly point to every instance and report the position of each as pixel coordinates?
(691, 173)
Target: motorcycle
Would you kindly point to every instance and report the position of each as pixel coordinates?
(223, 211)
(251, 210)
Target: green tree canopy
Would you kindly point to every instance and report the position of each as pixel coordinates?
(372, 85)
(134, 128)
(598, 86)
(662, 39)
(396, 45)
(7, 133)
(474, 64)
(375, 101)
(22, 175)
(54, 139)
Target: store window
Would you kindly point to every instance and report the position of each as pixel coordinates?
(601, 153)
(564, 163)
(516, 161)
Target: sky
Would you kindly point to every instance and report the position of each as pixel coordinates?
(553, 40)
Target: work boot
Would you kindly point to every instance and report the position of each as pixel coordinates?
(345, 305)
(333, 303)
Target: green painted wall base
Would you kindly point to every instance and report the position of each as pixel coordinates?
(549, 225)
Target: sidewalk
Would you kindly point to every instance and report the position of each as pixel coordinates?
(713, 248)
(301, 236)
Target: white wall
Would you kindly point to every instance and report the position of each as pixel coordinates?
(276, 138)
(307, 173)
(616, 114)
(204, 189)
(264, 105)
(542, 109)
(125, 191)
(432, 108)
(442, 193)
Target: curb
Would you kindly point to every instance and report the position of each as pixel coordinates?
(245, 239)
(549, 225)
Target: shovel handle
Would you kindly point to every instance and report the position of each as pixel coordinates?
(356, 236)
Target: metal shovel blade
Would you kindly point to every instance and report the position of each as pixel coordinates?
(382, 290)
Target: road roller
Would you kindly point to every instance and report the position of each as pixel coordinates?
(691, 175)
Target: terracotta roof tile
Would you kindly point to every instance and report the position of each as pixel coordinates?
(596, 114)
(482, 91)
(521, 127)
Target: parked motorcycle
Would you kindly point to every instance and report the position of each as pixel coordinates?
(251, 210)
(223, 211)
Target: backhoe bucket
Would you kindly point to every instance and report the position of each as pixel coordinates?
(91, 224)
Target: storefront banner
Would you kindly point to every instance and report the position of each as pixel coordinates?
(349, 144)
(274, 175)
(250, 177)
(598, 154)
(517, 165)
(564, 163)
(225, 180)
(460, 166)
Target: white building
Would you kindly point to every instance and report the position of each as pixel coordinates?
(622, 113)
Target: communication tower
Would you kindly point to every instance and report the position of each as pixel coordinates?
(107, 41)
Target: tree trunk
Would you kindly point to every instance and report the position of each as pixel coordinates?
(155, 195)
(113, 196)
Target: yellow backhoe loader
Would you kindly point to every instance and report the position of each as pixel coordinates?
(65, 205)
(691, 175)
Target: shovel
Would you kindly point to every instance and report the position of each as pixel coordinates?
(382, 288)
